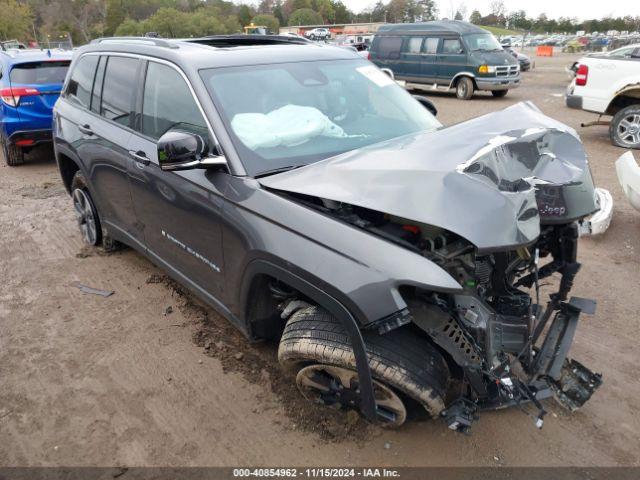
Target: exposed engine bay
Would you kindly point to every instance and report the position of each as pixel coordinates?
(492, 328)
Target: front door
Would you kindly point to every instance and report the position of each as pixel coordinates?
(452, 59)
(180, 212)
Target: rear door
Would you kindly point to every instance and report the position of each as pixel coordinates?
(386, 52)
(106, 131)
(451, 59)
(38, 84)
(409, 65)
(180, 213)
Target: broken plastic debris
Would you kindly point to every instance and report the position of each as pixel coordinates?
(94, 291)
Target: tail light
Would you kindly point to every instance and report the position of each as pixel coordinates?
(581, 75)
(368, 55)
(12, 96)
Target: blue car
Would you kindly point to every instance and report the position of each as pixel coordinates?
(30, 83)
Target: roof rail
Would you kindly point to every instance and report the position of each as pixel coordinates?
(158, 42)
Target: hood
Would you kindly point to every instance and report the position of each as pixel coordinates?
(496, 58)
(492, 180)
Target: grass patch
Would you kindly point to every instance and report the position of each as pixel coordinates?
(500, 31)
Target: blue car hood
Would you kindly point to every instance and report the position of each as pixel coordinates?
(492, 180)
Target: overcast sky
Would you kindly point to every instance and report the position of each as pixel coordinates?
(582, 9)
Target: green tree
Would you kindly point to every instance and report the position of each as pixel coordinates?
(15, 20)
(342, 13)
(244, 15)
(476, 17)
(115, 16)
(305, 16)
(269, 21)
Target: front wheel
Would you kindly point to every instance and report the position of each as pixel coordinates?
(464, 88)
(404, 366)
(624, 129)
(499, 93)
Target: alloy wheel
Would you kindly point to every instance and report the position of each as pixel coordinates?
(85, 216)
(628, 130)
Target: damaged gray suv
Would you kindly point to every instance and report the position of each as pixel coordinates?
(312, 201)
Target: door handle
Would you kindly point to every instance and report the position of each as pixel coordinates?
(139, 157)
(86, 129)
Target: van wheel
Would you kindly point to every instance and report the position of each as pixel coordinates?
(464, 88)
(86, 212)
(404, 365)
(499, 93)
(624, 128)
(13, 155)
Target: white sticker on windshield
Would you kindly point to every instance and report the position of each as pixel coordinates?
(376, 76)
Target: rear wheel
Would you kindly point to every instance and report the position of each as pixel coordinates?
(499, 93)
(12, 155)
(86, 212)
(402, 363)
(624, 129)
(464, 88)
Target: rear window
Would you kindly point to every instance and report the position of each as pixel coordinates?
(39, 73)
(389, 47)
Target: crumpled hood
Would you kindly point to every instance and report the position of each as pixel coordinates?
(492, 180)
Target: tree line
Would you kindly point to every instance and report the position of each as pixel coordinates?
(83, 20)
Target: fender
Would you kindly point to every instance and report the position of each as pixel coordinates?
(462, 74)
(334, 307)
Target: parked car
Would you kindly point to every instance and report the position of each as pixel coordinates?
(629, 177)
(523, 60)
(312, 201)
(30, 82)
(318, 34)
(631, 52)
(448, 55)
(609, 86)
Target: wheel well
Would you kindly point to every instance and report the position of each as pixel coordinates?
(262, 314)
(455, 81)
(629, 97)
(68, 169)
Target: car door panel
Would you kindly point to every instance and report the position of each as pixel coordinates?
(179, 212)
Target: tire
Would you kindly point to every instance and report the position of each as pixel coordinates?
(499, 93)
(13, 155)
(464, 88)
(624, 128)
(86, 211)
(400, 359)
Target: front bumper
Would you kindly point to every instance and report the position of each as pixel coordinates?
(599, 222)
(629, 177)
(497, 83)
(30, 138)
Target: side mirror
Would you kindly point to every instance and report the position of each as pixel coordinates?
(426, 103)
(182, 150)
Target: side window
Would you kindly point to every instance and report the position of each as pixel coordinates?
(168, 102)
(81, 81)
(389, 47)
(97, 85)
(413, 45)
(636, 53)
(431, 45)
(118, 89)
(451, 46)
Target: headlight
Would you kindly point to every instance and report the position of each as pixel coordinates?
(486, 69)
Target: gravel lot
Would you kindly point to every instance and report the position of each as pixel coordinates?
(124, 380)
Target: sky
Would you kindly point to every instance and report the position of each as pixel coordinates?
(582, 9)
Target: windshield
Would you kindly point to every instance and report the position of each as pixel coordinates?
(482, 41)
(40, 73)
(291, 114)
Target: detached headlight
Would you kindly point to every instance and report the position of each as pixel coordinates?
(486, 69)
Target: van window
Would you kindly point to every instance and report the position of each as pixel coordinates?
(451, 46)
(168, 102)
(118, 89)
(389, 47)
(79, 88)
(413, 45)
(431, 45)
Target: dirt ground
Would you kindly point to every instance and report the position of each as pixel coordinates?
(148, 376)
